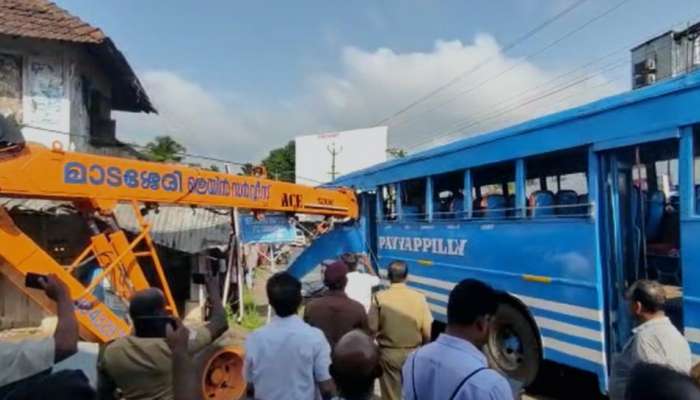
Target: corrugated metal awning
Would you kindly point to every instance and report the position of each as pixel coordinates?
(191, 230)
(186, 229)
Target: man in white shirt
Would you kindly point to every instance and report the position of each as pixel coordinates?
(655, 340)
(287, 358)
(360, 284)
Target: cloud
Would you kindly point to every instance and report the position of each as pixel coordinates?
(369, 86)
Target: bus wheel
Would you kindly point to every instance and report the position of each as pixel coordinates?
(513, 347)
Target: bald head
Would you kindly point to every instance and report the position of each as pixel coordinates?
(397, 271)
(650, 295)
(355, 365)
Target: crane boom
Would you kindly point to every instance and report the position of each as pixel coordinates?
(38, 172)
(95, 184)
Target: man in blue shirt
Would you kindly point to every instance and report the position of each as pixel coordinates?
(453, 367)
(287, 359)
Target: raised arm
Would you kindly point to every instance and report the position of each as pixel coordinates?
(217, 323)
(66, 334)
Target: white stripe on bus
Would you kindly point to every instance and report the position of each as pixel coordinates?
(692, 335)
(591, 355)
(438, 309)
(554, 344)
(542, 322)
(561, 308)
(555, 306)
(569, 329)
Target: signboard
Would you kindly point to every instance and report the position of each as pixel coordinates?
(322, 158)
(271, 229)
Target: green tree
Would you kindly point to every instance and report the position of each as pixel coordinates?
(396, 152)
(164, 149)
(280, 163)
(247, 169)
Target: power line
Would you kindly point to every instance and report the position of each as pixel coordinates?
(469, 71)
(488, 111)
(144, 147)
(465, 124)
(533, 100)
(527, 58)
(570, 72)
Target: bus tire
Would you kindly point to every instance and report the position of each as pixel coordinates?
(513, 347)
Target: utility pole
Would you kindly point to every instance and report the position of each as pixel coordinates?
(334, 152)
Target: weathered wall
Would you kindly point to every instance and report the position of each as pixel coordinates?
(55, 85)
(16, 309)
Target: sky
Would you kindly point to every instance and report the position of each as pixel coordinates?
(234, 80)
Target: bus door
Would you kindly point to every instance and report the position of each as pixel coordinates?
(641, 228)
(619, 238)
(368, 221)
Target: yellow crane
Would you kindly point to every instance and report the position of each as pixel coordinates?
(95, 185)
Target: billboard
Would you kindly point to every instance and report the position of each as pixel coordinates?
(321, 158)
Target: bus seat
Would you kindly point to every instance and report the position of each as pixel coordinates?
(583, 201)
(457, 208)
(510, 204)
(541, 203)
(494, 206)
(566, 198)
(656, 201)
(476, 207)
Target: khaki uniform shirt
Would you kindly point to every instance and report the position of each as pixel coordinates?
(401, 317)
(142, 367)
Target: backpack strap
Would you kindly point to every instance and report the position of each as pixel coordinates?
(466, 378)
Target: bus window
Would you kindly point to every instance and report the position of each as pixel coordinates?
(448, 195)
(413, 199)
(556, 184)
(388, 194)
(494, 191)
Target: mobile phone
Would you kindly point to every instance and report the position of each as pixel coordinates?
(32, 280)
(198, 278)
(155, 326)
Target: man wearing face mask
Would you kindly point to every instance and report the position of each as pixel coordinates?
(453, 367)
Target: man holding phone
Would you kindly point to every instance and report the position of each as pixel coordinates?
(140, 365)
(25, 367)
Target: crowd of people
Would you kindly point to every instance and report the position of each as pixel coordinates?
(340, 345)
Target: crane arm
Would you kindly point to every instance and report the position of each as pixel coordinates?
(38, 172)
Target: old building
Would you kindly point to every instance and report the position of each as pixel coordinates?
(60, 79)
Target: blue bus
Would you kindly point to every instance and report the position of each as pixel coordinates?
(562, 213)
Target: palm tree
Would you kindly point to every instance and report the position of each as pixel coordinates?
(164, 149)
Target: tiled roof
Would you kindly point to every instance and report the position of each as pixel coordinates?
(41, 19)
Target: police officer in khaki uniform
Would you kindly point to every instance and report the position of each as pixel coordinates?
(401, 319)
